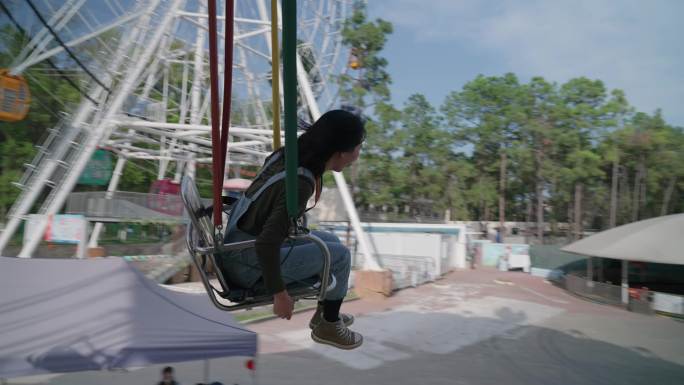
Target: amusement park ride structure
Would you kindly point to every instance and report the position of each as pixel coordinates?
(148, 95)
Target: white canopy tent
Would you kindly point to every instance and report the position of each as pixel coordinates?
(65, 315)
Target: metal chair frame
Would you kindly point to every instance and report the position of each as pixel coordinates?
(201, 243)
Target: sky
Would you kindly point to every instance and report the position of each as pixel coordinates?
(634, 45)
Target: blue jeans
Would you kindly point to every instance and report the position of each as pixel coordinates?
(304, 261)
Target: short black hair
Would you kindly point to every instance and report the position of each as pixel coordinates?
(167, 369)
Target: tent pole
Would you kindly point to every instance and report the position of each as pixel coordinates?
(206, 371)
(625, 282)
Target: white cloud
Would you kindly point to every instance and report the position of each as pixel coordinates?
(632, 45)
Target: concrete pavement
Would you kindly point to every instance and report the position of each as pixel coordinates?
(472, 327)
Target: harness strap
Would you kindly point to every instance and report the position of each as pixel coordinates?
(227, 82)
(244, 203)
(268, 163)
(220, 127)
(301, 171)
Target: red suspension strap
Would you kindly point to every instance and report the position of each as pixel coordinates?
(220, 125)
(227, 81)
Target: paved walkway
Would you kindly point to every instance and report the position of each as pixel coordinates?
(472, 327)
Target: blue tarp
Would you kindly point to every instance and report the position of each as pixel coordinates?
(61, 315)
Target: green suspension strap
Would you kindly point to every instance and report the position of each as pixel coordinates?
(290, 104)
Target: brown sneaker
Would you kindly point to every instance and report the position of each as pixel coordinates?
(348, 319)
(336, 334)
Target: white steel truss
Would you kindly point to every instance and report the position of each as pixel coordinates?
(148, 95)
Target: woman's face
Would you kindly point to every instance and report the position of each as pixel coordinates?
(340, 160)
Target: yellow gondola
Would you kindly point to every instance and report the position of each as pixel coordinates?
(354, 63)
(354, 60)
(15, 97)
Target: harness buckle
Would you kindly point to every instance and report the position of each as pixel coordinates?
(218, 238)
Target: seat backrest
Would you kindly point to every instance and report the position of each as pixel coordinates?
(197, 211)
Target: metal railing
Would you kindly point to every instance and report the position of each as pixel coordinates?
(409, 271)
(127, 207)
(48, 149)
(597, 291)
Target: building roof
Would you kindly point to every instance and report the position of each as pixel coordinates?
(656, 240)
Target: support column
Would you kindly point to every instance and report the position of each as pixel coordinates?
(625, 282)
(370, 263)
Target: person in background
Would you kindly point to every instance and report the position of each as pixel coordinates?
(167, 377)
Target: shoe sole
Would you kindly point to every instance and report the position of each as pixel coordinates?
(351, 322)
(326, 342)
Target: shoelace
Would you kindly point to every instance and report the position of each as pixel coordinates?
(344, 331)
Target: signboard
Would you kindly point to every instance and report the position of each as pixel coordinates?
(99, 170)
(492, 252)
(69, 229)
(165, 197)
(66, 229)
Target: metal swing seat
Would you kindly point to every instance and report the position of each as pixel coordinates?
(203, 249)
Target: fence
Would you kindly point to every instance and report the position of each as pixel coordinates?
(597, 291)
(415, 253)
(639, 300)
(126, 207)
(551, 257)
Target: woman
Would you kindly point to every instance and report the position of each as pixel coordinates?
(332, 143)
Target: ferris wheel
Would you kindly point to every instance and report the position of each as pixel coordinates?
(146, 91)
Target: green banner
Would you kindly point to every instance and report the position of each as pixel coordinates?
(99, 169)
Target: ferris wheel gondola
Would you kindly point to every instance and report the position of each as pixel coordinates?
(15, 97)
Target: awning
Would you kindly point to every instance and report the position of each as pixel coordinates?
(656, 240)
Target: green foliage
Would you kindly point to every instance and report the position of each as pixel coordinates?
(366, 40)
(495, 146)
(49, 95)
(558, 145)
